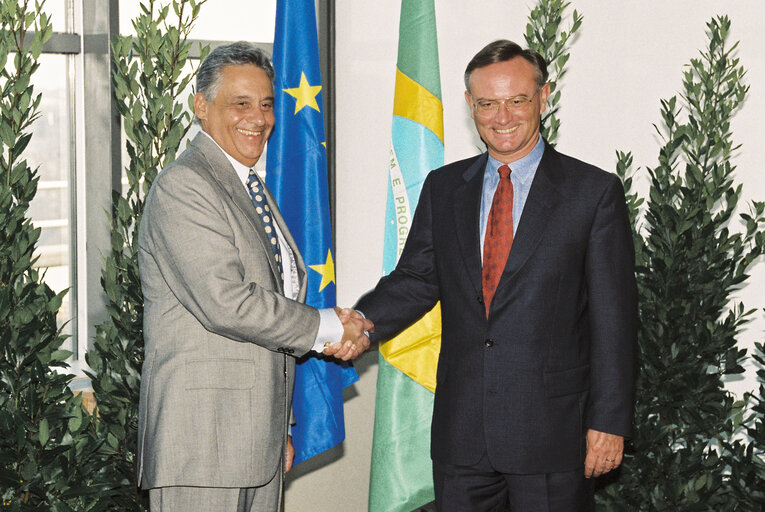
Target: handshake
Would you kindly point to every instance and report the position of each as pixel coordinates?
(355, 339)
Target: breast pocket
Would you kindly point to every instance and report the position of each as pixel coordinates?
(558, 253)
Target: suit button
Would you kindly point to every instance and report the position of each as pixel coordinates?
(489, 342)
(480, 299)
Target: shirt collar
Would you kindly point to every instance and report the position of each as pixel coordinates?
(526, 167)
(241, 170)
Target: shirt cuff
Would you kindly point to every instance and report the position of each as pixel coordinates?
(330, 329)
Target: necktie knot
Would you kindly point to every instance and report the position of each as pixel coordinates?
(252, 178)
(504, 172)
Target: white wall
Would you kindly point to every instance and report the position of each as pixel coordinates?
(627, 57)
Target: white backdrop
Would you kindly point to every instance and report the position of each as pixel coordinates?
(628, 56)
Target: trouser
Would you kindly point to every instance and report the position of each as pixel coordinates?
(480, 488)
(216, 499)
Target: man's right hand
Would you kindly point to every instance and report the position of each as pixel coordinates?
(355, 340)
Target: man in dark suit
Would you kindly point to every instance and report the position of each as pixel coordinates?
(530, 253)
(224, 286)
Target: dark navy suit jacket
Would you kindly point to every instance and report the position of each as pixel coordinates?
(556, 355)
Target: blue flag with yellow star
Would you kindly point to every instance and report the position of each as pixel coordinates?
(297, 176)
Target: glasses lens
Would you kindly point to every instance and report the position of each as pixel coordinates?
(488, 108)
(485, 107)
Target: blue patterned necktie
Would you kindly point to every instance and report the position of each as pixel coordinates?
(260, 202)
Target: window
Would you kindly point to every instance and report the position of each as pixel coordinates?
(219, 20)
(51, 152)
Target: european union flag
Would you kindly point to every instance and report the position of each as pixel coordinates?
(297, 176)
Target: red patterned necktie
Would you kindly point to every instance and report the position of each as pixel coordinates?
(499, 236)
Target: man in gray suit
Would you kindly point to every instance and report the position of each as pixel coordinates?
(223, 286)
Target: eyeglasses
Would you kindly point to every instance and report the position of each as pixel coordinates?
(490, 107)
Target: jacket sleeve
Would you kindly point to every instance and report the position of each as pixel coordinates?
(411, 290)
(188, 237)
(612, 309)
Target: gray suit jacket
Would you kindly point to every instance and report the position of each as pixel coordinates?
(216, 385)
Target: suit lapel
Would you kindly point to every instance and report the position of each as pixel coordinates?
(225, 175)
(467, 209)
(543, 197)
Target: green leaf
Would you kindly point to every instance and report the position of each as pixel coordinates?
(60, 355)
(44, 432)
(76, 420)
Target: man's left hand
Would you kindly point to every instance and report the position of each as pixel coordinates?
(604, 453)
(289, 454)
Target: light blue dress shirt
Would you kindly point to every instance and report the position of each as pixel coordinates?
(521, 174)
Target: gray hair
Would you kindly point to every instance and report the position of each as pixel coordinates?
(235, 54)
(503, 50)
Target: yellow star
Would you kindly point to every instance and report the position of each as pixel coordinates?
(327, 271)
(305, 94)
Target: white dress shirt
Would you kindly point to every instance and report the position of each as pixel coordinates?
(330, 327)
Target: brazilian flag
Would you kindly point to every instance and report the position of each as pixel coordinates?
(401, 476)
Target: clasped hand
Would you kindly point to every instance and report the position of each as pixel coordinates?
(355, 340)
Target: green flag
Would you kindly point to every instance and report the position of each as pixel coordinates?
(401, 478)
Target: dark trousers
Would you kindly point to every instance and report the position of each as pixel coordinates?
(481, 488)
